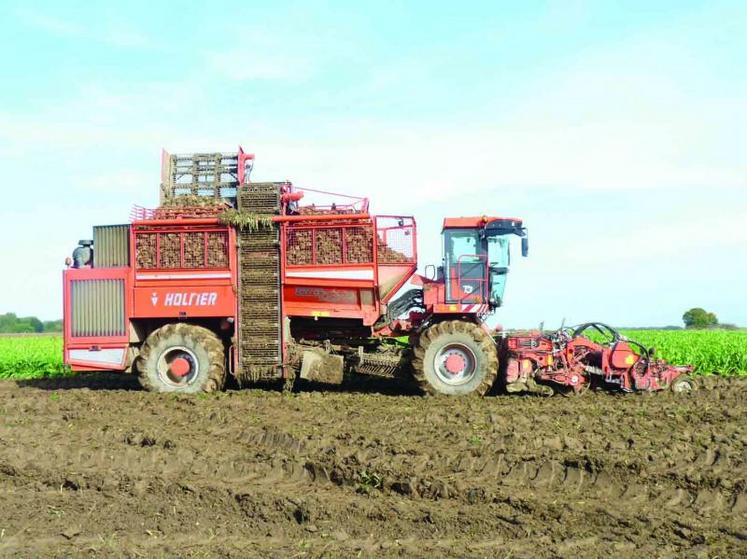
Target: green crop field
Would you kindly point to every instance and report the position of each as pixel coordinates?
(25, 357)
(722, 352)
(710, 351)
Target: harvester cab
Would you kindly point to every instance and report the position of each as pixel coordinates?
(477, 258)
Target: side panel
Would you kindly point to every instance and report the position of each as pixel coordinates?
(329, 270)
(396, 253)
(97, 305)
(434, 294)
(331, 301)
(171, 299)
(183, 270)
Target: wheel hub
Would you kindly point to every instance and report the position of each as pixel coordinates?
(180, 367)
(455, 364)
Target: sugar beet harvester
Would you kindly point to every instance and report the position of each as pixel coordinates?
(229, 276)
(235, 277)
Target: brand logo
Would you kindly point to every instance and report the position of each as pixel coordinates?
(154, 298)
(188, 299)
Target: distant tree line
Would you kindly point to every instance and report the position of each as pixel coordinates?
(12, 324)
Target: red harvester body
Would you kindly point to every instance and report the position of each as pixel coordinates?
(265, 282)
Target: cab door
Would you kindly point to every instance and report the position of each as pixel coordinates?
(466, 267)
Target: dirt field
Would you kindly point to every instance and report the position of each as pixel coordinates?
(93, 467)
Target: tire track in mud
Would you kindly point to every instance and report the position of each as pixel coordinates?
(557, 477)
(478, 479)
(291, 461)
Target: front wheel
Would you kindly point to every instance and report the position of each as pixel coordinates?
(683, 384)
(182, 358)
(455, 358)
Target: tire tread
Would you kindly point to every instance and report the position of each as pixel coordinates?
(198, 334)
(449, 327)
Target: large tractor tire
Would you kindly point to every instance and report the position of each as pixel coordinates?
(455, 358)
(182, 358)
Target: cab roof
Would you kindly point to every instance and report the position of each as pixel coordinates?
(478, 221)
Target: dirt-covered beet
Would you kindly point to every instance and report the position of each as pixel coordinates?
(92, 466)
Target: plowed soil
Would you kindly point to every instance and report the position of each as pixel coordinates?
(93, 467)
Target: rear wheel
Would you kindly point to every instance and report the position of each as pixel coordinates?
(182, 358)
(455, 358)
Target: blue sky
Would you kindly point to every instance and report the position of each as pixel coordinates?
(615, 129)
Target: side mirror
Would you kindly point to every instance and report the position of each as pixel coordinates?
(430, 272)
(525, 246)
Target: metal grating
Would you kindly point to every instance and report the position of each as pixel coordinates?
(329, 246)
(170, 249)
(299, 247)
(210, 175)
(358, 245)
(188, 250)
(111, 246)
(396, 243)
(346, 244)
(146, 250)
(97, 307)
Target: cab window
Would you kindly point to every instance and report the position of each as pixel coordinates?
(461, 242)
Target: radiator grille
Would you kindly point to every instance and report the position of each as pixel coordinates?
(111, 246)
(97, 307)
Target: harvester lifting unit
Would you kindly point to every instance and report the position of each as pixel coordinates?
(268, 282)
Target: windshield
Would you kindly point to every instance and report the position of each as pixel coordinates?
(499, 256)
(498, 251)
